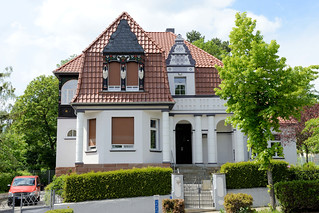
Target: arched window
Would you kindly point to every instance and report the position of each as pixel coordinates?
(71, 134)
(68, 91)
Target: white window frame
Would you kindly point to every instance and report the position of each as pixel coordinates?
(67, 94)
(157, 137)
(73, 135)
(177, 84)
(274, 142)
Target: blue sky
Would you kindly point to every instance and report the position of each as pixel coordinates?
(36, 35)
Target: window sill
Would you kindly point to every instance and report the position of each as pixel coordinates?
(275, 157)
(91, 151)
(70, 138)
(155, 150)
(122, 150)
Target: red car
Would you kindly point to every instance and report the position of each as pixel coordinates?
(25, 188)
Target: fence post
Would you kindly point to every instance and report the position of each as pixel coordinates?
(219, 187)
(177, 186)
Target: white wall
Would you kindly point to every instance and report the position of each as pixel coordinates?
(190, 82)
(65, 156)
(260, 195)
(125, 205)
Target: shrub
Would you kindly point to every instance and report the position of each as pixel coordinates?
(306, 172)
(173, 206)
(6, 178)
(60, 211)
(248, 175)
(118, 184)
(298, 195)
(234, 203)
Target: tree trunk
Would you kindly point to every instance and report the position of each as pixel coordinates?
(307, 152)
(271, 189)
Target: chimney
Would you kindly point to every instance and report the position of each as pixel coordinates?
(170, 30)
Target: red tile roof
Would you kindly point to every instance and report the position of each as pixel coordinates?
(156, 87)
(167, 39)
(73, 66)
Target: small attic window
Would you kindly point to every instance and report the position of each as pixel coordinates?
(114, 79)
(68, 91)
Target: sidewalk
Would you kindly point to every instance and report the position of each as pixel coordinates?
(211, 211)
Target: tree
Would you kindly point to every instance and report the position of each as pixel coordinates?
(312, 131)
(194, 36)
(62, 62)
(215, 47)
(35, 119)
(261, 89)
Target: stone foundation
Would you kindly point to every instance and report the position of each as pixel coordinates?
(85, 168)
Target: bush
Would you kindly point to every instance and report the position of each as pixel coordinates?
(118, 184)
(306, 172)
(248, 175)
(234, 203)
(57, 185)
(298, 195)
(60, 211)
(173, 206)
(6, 178)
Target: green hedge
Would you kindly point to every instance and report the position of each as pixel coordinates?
(118, 184)
(247, 174)
(60, 211)
(298, 195)
(6, 178)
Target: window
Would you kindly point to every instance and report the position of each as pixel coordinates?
(71, 134)
(122, 132)
(114, 76)
(180, 85)
(132, 77)
(68, 91)
(276, 142)
(92, 134)
(154, 138)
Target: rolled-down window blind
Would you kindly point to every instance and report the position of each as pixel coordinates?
(122, 130)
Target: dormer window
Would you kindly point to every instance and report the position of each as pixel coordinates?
(68, 91)
(123, 67)
(180, 85)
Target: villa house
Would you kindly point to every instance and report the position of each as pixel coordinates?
(136, 98)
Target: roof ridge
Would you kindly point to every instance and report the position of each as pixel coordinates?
(67, 63)
(116, 21)
(220, 62)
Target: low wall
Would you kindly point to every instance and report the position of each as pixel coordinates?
(124, 205)
(260, 195)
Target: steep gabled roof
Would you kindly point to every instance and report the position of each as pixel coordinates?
(167, 39)
(74, 66)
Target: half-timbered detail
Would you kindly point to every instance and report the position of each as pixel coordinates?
(144, 98)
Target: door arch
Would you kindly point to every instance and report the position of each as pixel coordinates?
(183, 139)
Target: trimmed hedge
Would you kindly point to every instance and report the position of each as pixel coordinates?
(118, 184)
(236, 202)
(6, 178)
(298, 195)
(60, 211)
(247, 174)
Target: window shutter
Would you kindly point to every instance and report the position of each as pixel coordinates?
(122, 130)
(114, 74)
(132, 74)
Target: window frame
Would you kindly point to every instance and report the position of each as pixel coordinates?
(66, 92)
(176, 84)
(90, 148)
(277, 139)
(113, 88)
(72, 137)
(132, 88)
(157, 136)
(122, 147)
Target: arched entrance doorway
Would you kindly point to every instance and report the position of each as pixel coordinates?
(183, 138)
(225, 152)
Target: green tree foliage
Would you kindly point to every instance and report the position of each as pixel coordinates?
(35, 121)
(62, 62)
(260, 88)
(215, 46)
(312, 129)
(194, 36)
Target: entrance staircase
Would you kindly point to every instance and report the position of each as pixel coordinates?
(197, 185)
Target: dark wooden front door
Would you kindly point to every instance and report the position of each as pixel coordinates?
(183, 134)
